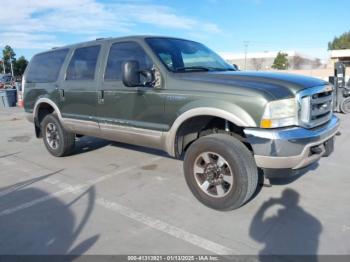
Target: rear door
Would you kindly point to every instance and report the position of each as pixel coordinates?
(42, 76)
(78, 89)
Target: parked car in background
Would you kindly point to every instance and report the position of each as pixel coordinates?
(7, 81)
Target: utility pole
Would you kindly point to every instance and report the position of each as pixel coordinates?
(246, 44)
(11, 65)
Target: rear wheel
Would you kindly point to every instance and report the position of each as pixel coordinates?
(220, 171)
(58, 141)
(345, 105)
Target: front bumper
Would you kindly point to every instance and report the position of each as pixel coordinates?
(290, 147)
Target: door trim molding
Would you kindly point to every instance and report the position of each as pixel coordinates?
(132, 135)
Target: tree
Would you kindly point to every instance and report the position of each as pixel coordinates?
(8, 54)
(316, 63)
(258, 63)
(19, 66)
(281, 61)
(1, 66)
(298, 62)
(341, 42)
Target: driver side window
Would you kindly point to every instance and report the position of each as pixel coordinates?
(122, 52)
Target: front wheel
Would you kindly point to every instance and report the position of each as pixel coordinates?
(57, 140)
(220, 171)
(345, 105)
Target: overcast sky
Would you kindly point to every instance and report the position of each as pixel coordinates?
(223, 25)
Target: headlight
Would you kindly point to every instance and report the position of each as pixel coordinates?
(280, 113)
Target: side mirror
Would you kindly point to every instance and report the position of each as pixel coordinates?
(235, 67)
(131, 73)
(147, 77)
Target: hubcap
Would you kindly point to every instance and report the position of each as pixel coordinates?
(52, 135)
(346, 106)
(213, 174)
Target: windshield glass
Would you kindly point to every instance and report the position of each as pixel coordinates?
(184, 56)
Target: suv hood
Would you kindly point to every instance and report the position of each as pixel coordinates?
(278, 85)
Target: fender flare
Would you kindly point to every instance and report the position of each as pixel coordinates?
(46, 101)
(170, 136)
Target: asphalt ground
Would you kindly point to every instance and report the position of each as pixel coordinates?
(113, 198)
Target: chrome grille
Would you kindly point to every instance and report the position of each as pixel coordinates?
(316, 106)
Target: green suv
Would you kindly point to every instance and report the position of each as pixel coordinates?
(179, 96)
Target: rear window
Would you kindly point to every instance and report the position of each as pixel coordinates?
(83, 63)
(45, 68)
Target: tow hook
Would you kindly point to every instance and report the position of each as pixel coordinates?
(266, 183)
(316, 150)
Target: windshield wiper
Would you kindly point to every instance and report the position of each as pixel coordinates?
(192, 68)
(201, 68)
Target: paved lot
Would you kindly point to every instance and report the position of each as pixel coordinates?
(111, 198)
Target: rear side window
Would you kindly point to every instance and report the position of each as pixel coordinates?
(83, 63)
(122, 52)
(44, 68)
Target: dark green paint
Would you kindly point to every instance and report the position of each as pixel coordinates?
(243, 94)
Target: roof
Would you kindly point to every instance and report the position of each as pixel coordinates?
(98, 40)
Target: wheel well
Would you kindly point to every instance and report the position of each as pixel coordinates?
(199, 126)
(43, 110)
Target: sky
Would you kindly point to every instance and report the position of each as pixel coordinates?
(306, 26)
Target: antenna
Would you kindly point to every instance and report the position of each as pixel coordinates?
(246, 44)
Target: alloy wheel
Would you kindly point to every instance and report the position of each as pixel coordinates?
(52, 135)
(213, 174)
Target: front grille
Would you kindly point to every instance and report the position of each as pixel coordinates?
(316, 106)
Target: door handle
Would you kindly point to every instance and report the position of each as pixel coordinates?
(101, 96)
(61, 92)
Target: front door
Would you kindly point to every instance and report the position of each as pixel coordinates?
(137, 107)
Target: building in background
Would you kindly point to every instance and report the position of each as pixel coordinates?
(343, 56)
(264, 60)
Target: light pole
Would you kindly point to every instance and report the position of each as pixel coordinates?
(246, 43)
(11, 65)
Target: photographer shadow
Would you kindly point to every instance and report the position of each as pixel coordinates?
(35, 222)
(292, 231)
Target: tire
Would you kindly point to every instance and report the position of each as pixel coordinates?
(345, 105)
(58, 141)
(231, 157)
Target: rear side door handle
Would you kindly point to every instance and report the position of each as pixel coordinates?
(100, 96)
(61, 93)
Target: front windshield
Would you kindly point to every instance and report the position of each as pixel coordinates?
(185, 56)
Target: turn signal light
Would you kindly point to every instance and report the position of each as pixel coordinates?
(266, 123)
